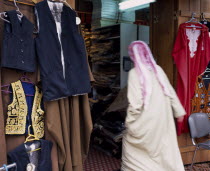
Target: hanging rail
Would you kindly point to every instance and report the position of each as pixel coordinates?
(24, 3)
(32, 4)
(8, 167)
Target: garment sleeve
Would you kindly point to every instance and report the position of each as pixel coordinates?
(134, 95)
(176, 105)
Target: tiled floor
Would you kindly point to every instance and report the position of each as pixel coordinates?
(98, 161)
(199, 167)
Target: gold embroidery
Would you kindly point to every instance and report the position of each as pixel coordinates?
(38, 115)
(18, 110)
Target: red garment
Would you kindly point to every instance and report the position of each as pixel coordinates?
(191, 55)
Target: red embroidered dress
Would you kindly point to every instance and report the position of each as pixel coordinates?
(191, 56)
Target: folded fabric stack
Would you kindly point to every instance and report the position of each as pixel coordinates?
(87, 37)
(106, 12)
(107, 137)
(109, 127)
(105, 60)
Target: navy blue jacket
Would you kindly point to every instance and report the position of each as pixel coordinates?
(76, 80)
(18, 51)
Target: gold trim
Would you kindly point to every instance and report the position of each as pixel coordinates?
(17, 111)
(37, 115)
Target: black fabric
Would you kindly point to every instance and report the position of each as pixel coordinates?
(206, 23)
(21, 158)
(76, 80)
(18, 51)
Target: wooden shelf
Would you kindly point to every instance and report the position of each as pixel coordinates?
(111, 38)
(105, 27)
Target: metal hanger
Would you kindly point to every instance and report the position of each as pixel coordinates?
(25, 79)
(193, 20)
(5, 15)
(7, 167)
(62, 1)
(203, 17)
(18, 9)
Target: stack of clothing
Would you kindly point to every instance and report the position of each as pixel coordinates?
(105, 46)
(87, 37)
(108, 128)
(106, 12)
(105, 79)
(107, 136)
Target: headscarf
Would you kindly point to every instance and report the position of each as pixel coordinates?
(144, 64)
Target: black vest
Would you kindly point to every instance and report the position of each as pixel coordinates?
(21, 157)
(18, 50)
(76, 80)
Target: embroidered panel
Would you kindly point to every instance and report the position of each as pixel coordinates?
(18, 111)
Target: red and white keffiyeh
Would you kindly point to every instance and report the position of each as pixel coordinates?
(144, 64)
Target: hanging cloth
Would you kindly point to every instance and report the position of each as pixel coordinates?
(23, 112)
(191, 56)
(18, 51)
(39, 161)
(61, 52)
(207, 23)
(201, 100)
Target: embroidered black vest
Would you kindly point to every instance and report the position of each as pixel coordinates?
(55, 83)
(18, 117)
(18, 51)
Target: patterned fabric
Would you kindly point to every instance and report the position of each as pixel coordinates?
(201, 100)
(19, 112)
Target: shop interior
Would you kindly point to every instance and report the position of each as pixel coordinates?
(86, 131)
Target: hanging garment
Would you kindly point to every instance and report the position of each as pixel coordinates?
(18, 51)
(207, 23)
(39, 160)
(191, 55)
(25, 110)
(72, 144)
(201, 99)
(61, 52)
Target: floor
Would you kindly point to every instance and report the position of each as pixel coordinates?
(98, 161)
(199, 167)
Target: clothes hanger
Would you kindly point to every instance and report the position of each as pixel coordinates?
(203, 18)
(62, 1)
(7, 167)
(18, 9)
(78, 20)
(31, 137)
(4, 14)
(25, 79)
(193, 20)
